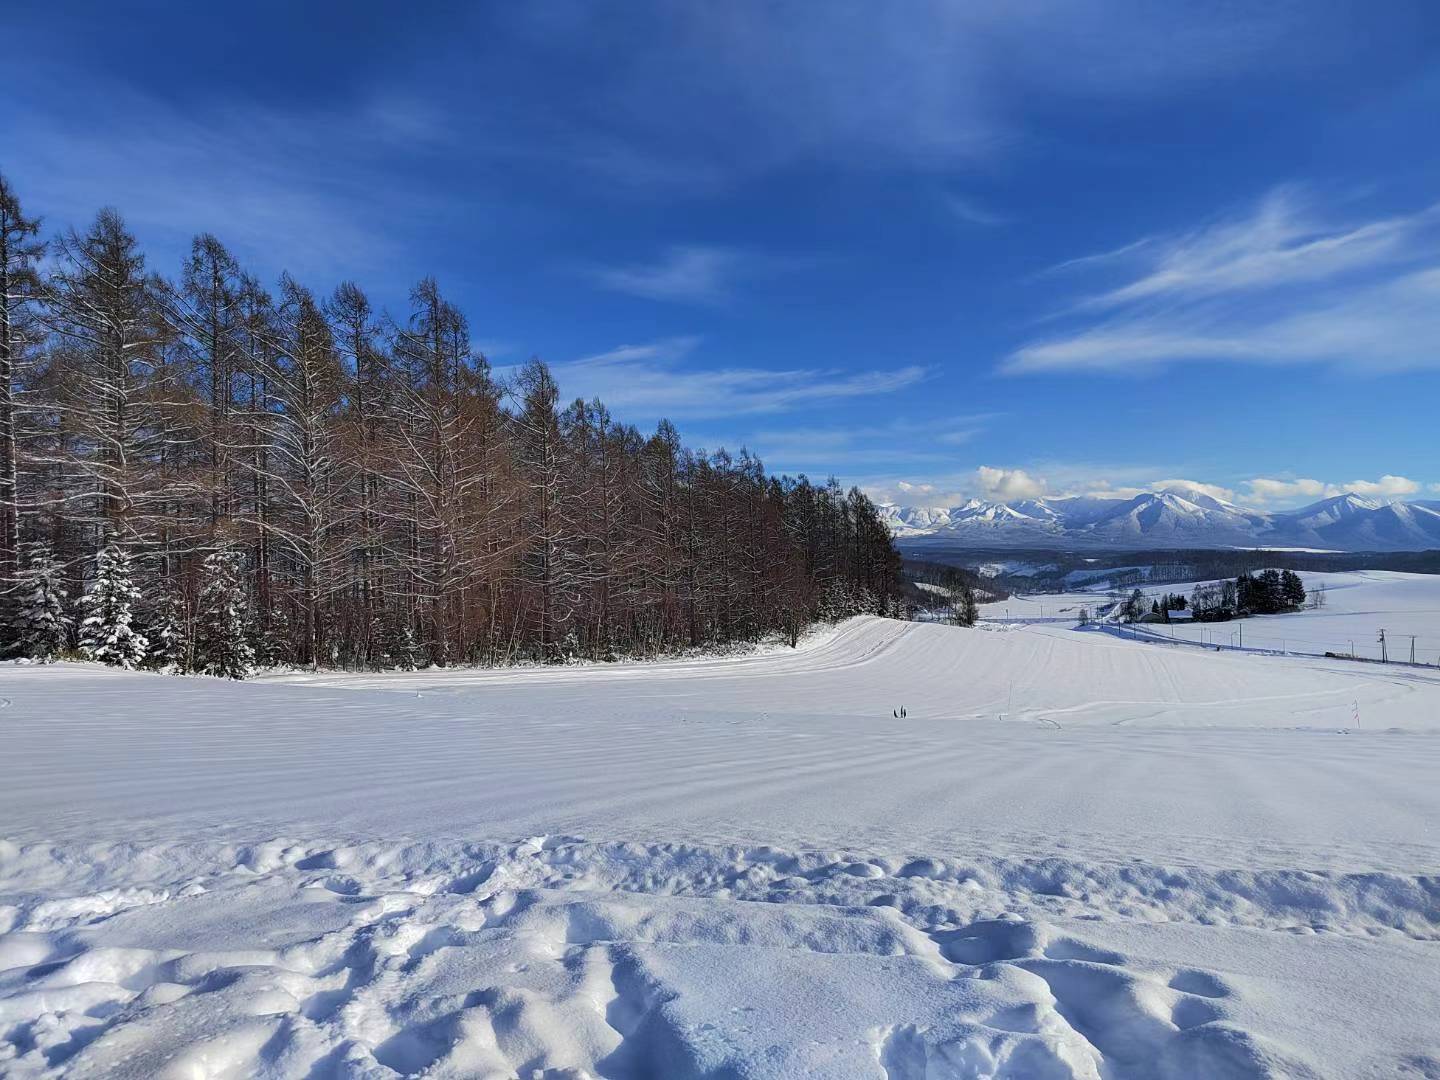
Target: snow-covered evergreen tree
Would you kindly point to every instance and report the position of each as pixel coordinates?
(1293, 588)
(169, 634)
(377, 649)
(41, 625)
(406, 652)
(965, 608)
(273, 645)
(222, 623)
(107, 633)
(393, 644)
(843, 599)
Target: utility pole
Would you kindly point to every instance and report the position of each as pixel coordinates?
(1384, 652)
(1412, 648)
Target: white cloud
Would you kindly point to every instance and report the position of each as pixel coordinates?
(1061, 480)
(303, 190)
(926, 84)
(1002, 483)
(1105, 489)
(1231, 293)
(1389, 486)
(904, 493)
(1278, 244)
(973, 213)
(1265, 490)
(648, 381)
(901, 444)
(1100, 258)
(694, 273)
(1005, 485)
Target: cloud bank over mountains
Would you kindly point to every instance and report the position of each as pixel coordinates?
(991, 483)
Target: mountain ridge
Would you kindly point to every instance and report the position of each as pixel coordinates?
(1172, 517)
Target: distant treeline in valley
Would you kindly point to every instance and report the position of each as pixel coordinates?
(1047, 571)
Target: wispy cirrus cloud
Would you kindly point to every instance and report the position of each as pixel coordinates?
(929, 85)
(903, 443)
(972, 212)
(693, 273)
(1279, 244)
(1277, 286)
(310, 190)
(661, 379)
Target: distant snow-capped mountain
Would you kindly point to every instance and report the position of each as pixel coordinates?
(1328, 512)
(1176, 517)
(914, 520)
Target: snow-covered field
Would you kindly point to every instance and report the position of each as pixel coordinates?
(1358, 605)
(1074, 857)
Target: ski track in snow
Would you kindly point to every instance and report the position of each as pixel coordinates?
(1076, 857)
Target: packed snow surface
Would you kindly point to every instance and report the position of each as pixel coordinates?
(1074, 856)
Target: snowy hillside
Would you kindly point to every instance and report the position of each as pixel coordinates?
(1075, 857)
(1177, 517)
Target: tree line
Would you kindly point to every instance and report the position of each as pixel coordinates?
(953, 591)
(239, 474)
(1269, 592)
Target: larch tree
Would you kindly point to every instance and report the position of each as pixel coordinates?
(20, 251)
(105, 319)
(437, 373)
(205, 313)
(355, 329)
(327, 485)
(300, 428)
(541, 459)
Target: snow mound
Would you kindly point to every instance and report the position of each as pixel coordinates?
(561, 957)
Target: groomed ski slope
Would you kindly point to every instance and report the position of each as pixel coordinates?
(1074, 857)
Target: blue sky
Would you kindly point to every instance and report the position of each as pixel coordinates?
(939, 249)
